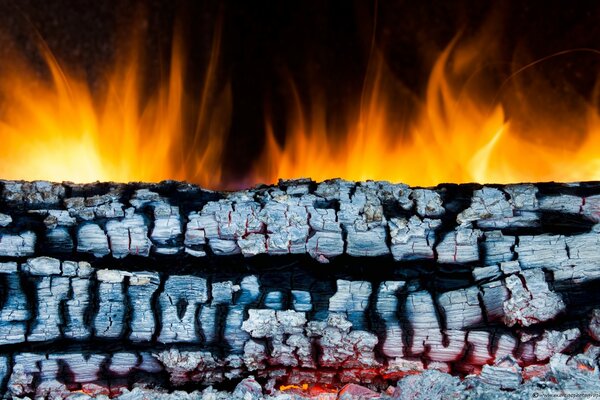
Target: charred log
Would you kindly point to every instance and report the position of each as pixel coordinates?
(141, 288)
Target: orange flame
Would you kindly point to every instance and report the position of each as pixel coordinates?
(456, 135)
(60, 129)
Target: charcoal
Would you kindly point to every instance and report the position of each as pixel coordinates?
(369, 289)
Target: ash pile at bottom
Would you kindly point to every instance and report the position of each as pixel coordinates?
(300, 290)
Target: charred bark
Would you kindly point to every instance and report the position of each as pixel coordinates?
(136, 287)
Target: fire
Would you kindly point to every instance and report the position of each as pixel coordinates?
(457, 135)
(60, 129)
(458, 130)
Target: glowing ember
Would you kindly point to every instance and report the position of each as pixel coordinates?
(283, 388)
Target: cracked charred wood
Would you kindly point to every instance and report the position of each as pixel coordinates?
(371, 289)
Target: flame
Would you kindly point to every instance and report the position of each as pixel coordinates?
(459, 130)
(61, 129)
(458, 135)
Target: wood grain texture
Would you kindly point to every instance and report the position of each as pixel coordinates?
(136, 287)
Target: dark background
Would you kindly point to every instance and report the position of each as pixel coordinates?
(264, 43)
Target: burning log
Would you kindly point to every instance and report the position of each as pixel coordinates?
(369, 289)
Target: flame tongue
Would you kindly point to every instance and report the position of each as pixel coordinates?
(59, 129)
(458, 134)
(62, 130)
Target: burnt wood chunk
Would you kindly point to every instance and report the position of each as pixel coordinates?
(373, 289)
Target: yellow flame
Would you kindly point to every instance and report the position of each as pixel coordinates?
(456, 135)
(59, 129)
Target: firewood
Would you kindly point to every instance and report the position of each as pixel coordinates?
(369, 288)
